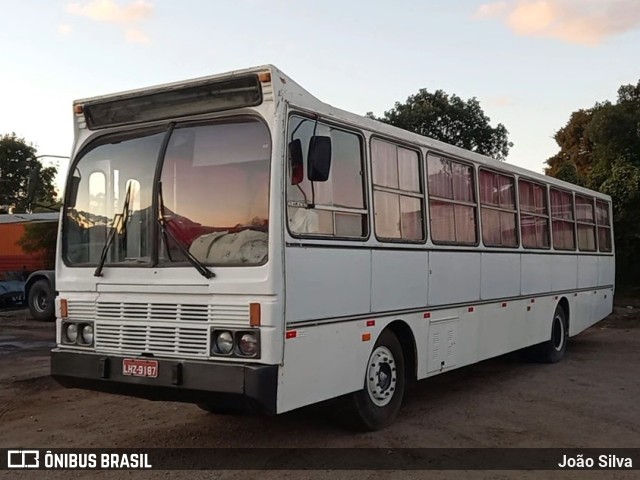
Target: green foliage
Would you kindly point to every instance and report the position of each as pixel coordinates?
(40, 239)
(449, 119)
(600, 149)
(19, 166)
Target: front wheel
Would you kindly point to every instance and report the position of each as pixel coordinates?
(377, 404)
(40, 301)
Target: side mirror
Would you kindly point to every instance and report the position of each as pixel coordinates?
(319, 159)
(72, 195)
(296, 162)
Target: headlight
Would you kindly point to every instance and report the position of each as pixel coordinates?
(86, 334)
(224, 343)
(248, 344)
(71, 332)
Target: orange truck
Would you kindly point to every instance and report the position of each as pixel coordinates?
(22, 275)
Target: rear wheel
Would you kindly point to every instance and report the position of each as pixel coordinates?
(553, 350)
(41, 301)
(377, 404)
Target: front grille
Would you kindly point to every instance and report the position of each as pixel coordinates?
(136, 337)
(218, 314)
(169, 329)
(80, 310)
(151, 311)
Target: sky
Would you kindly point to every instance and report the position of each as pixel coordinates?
(530, 63)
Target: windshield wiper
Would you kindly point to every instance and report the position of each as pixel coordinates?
(119, 221)
(197, 264)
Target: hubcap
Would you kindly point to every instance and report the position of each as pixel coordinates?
(381, 376)
(41, 302)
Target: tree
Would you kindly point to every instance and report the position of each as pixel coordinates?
(600, 149)
(19, 166)
(449, 119)
(40, 239)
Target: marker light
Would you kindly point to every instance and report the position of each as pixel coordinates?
(224, 343)
(86, 335)
(72, 332)
(248, 344)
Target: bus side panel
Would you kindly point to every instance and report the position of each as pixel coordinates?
(606, 270)
(536, 273)
(587, 271)
(399, 280)
(564, 271)
(326, 361)
(326, 283)
(455, 277)
(589, 307)
(488, 330)
(500, 275)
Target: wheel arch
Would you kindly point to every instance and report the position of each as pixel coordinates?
(564, 304)
(408, 343)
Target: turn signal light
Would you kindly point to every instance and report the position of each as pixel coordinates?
(264, 77)
(64, 308)
(254, 314)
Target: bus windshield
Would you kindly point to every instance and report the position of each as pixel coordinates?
(214, 191)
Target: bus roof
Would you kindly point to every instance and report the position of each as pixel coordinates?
(286, 88)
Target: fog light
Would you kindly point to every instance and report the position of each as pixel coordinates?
(71, 332)
(224, 343)
(248, 344)
(87, 334)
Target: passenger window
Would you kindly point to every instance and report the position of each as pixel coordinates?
(397, 192)
(452, 204)
(498, 209)
(534, 215)
(562, 220)
(586, 223)
(604, 226)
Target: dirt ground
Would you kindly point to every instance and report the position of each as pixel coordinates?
(591, 399)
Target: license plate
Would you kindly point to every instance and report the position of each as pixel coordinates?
(135, 367)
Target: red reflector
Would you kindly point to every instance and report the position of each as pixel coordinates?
(427, 315)
(371, 323)
(533, 300)
(504, 304)
(470, 309)
(556, 297)
(291, 334)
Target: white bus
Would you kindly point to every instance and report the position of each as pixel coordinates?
(232, 241)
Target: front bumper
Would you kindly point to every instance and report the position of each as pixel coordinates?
(189, 381)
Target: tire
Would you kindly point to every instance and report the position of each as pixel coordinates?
(40, 301)
(377, 404)
(554, 349)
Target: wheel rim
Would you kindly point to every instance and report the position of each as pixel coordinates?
(40, 303)
(381, 376)
(558, 334)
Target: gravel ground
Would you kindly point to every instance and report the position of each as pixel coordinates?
(588, 400)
